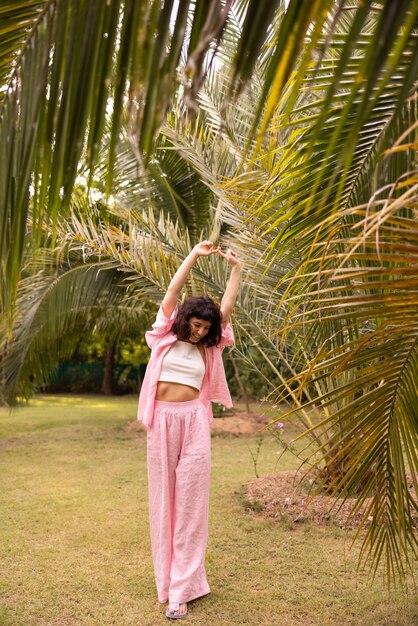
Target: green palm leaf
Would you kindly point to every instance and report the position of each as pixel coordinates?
(360, 313)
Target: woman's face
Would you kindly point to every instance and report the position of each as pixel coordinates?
(198, 329)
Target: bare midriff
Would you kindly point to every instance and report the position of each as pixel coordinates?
(175, 392)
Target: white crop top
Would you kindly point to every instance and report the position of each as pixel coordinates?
(183, 364)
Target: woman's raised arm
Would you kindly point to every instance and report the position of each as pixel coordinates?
(204, 248)
(232, 287)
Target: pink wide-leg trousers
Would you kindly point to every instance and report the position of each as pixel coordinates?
(178, 451)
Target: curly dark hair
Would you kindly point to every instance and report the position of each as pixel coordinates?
(204, 308)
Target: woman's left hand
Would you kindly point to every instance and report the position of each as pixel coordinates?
(230, 256)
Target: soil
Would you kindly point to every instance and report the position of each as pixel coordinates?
(237, 424)
(284, 496)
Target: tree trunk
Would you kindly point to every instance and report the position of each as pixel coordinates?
(244, 394)
(107, 384)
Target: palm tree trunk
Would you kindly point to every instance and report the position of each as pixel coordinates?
(107, 384)
(244, 394)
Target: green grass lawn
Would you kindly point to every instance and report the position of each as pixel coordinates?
(74, 533)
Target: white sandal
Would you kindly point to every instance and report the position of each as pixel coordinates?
(175, 606)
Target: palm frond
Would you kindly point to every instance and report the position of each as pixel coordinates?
(19, 20)
(359, 309)
(53, 310)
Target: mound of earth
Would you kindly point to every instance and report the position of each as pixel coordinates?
(239, 423)
(282, 495)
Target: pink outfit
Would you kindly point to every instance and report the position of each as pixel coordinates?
(178, 451)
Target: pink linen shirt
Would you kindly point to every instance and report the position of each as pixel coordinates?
(214, 386)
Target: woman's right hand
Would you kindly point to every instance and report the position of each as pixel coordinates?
(231, 257)
(205, 248)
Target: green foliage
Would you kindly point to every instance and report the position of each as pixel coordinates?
(84, 371)
(129, 351)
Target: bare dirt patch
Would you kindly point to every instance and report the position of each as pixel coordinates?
(283, 496)
(237, 424)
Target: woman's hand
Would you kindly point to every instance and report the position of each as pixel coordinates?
(230, 256)
(205, 248)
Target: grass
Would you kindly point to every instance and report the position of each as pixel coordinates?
(75, 548)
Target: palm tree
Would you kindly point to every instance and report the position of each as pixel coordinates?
(337, 202)
(66, 63)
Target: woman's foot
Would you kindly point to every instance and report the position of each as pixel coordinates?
(176, 610)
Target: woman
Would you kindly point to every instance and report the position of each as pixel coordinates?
(184, 375)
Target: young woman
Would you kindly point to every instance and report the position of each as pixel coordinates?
(184, 375)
